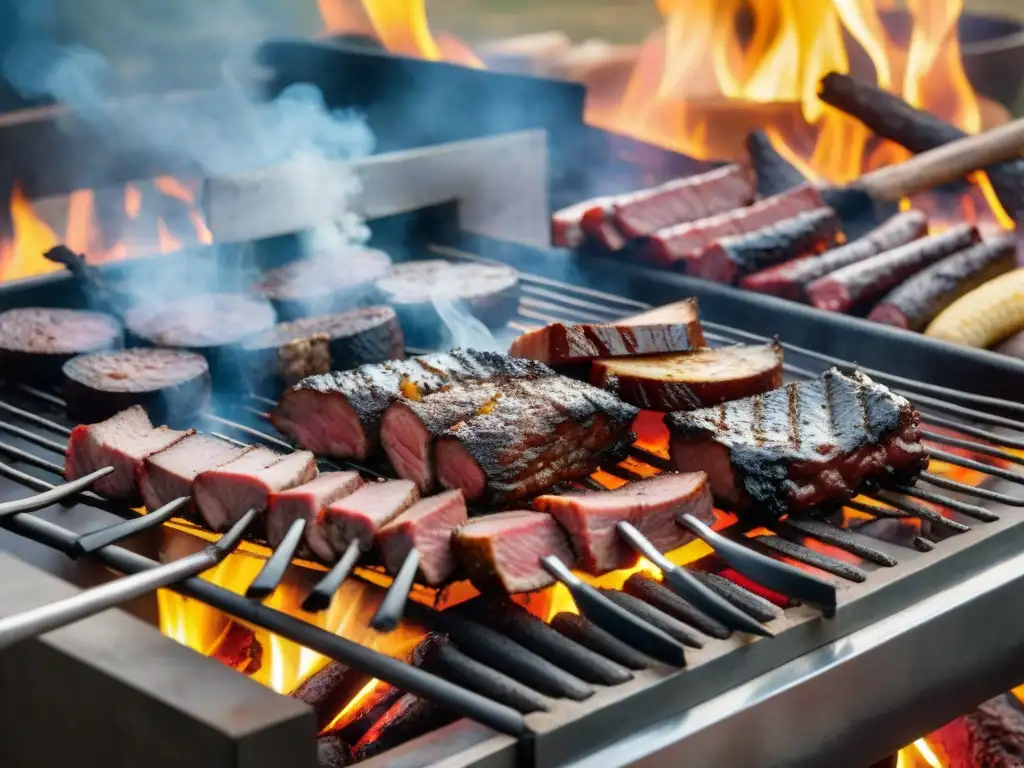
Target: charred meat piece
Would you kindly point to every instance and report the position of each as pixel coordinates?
(730, 257)
(420, 291)
(171, 384)
(169, 474)
(560, 343)
(677, 245)
(536, 434)
(691, 380)
(916, 302)
(800, 446)
(35, 342)
(427, 527)
(309, 501)
(872, 278)
(503, 551)
(360, 515)
(639, 214)
(339, 414)
(289, 352)
(567, 223)
(123, 441)
(323, 285)
(791, 278)
(651, 505)
(223, 495)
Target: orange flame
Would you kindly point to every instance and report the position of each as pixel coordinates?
(21, 255)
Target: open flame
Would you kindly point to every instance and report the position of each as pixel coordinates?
(717, 69)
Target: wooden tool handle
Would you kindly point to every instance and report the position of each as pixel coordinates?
(946, 163)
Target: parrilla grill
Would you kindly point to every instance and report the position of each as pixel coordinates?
(749, 556)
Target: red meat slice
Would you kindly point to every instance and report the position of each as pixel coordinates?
(427, 527)
(360, 516)
(123, 442)
(308, 501)
(169, 474)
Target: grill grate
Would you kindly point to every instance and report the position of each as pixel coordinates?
(762, 558)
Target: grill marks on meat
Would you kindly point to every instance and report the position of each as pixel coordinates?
(35, 342)
(171, 384)
(427, 526)
(560, 343)
(676, 246)
(169, 474)
(308, 502)
(916, 302)
(339, 414)
(732, 256)
(622, 218)
(226, 493)
(694, 379)
(361, 515)
(790, 279)
(872, 278)
(538, 433)
(651, 505)
(123, 441)
(503, 551)
(800, 446)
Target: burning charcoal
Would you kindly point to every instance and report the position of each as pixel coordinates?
(807, 434)
(124, 441)
(526, 629)
(285, 354)
(992, 736)
(892, 118)
(868, 280)
(168, 474)
(505, 655)
(655, 617)
(420, 291)
(696, 379)
(652, 591)
(814, 558)
(321, 286)
(752, 604)
(588, 634)
(774, 173)
(239, 649)
(559, 343)
(407, 719)
(329, 689)
(171, 384)
(791, 278)
(338, 414)
(537, 434)
(333, 752)
(36, 342)
(839, 537)
(354, 725)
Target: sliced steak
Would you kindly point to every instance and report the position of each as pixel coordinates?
(289, 352)
(339, 414)
(489, 292)
(538, 433)
(651, 505)
(322, 285)
(35, 342)
(427, 527)
(360, 515)
(559, 343)
(169, 474)
(409, 427)
(678, 245)
(503, 551)
(733, 256)
(682, 382)
(567, 223)
(223, 495)
(800, 446)
(171, 384)
(309, 501)
(123, 441)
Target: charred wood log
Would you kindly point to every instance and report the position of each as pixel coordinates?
(333, 752)
(918, 131)
(587, 633)
(992, 736)
(408, 718)
(652, 591)
(329, 690)
(367, 712)
(670, 625)
(775, 174)
(239, 649)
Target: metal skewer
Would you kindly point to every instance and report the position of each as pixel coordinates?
(57, 494)
(90, 542)
(389, 613)
(319, 598)
(274, 569)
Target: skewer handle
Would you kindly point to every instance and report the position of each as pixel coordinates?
(944, 164)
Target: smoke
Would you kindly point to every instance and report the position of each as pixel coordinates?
(463, 329)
